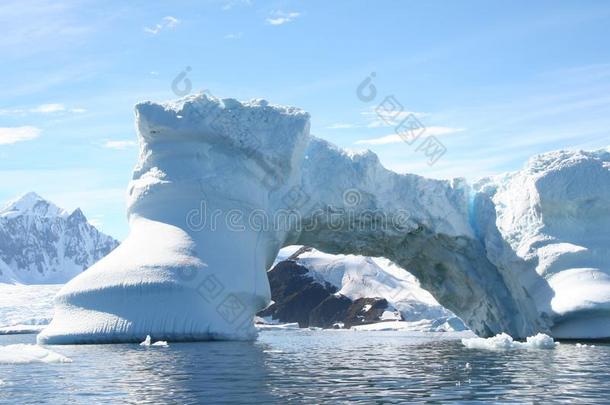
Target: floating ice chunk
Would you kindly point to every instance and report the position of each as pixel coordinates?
(504, 341)
(25, 354)
(583, 345)
(540, 341)
(279, 326)
(148, 342)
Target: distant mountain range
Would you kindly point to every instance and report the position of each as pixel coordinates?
(41, 243)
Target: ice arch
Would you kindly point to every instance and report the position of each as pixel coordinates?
(221, 186)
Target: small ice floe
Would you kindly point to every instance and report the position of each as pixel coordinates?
(279, 326)
(504, 341)
(583, 345)
(148, 342)
(26, 354)
(467, 366)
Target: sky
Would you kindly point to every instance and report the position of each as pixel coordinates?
(493, 83)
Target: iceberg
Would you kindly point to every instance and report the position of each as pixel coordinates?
(554, 215)
(222, 185)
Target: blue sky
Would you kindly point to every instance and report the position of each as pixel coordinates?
(495, 83)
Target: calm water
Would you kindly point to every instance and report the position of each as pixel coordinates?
(311, 367)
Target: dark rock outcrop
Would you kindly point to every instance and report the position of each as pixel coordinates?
(297, 297)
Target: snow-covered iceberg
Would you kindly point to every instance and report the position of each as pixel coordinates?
(555, 217)
(222, 185)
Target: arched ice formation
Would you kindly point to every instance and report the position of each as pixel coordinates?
(221, 186)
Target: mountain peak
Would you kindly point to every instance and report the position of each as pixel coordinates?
(31, 204)
(77, 215)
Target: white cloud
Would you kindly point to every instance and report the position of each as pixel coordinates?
(12, 135)
(167, 22)
(395, 138)
(236, 35)
(232, 3)
(341, 125)
(280, 17)
(51, 108)
(96, 221)
(48, 108)
(119, 145)
(379, 117)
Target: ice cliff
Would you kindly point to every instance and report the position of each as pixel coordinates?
(222, 185)
(555, 217)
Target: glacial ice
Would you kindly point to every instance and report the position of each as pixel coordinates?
(222, 185)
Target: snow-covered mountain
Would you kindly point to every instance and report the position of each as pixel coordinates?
(41, 243)
(350, 290)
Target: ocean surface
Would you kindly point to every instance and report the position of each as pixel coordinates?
(311, 366)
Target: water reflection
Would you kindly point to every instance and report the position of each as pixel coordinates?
(312, 367)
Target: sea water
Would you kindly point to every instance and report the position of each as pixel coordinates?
(310, 366)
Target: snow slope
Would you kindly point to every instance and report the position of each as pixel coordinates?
(41, 243)
(221, 186)
(366, 277)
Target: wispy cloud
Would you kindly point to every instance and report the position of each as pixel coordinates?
(96, 221)
(229, 4)
(167, 22)
(341, 125)
(42, 109)
(279, 17)
(10, 135)
(379, 118)
(236, 35)
(395, 138)
(49, 108)
(119, 145)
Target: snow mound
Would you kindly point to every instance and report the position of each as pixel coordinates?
(504, 341)
(25, 354)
